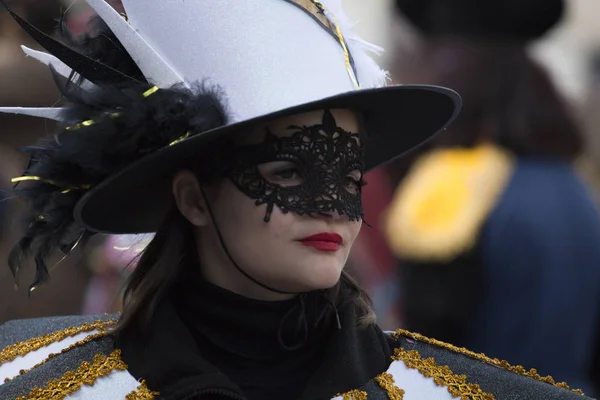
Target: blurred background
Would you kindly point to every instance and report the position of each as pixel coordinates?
(487, 237)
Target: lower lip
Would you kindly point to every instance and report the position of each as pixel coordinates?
(322, 246)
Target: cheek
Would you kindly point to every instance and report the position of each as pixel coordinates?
(354, 229)
(233, 207)
(242, 218)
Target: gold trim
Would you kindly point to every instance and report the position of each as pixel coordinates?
(86, 374)
(87, 339)
(90, 122)
(342, 41)
(318, 11)
(442, 375)
(386, 381)
(20, 349)
(68, 189)
(312, 8)
(518, 369)
(438, 210)
(353, 395)
(142, 393)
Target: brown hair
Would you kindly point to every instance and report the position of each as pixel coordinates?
(507, 97)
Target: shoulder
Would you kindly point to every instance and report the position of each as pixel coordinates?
(47, 357)
(552, 182)
(15, 331)
(546, 200)
(432, 369)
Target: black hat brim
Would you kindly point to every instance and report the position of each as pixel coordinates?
(397, 119)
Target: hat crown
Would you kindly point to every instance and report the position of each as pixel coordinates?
(266, 55)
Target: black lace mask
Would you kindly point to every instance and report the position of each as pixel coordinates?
(327, 159)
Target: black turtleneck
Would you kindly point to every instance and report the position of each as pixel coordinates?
(267, 348)
(205, 343)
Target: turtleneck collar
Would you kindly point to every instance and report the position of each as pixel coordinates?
(204, 342)
(251, 329)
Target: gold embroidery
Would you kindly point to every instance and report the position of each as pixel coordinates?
(438, 210)
(86, 374)
(142, 393)
(87, 339)
(532, 373)
(386, 381)
(442, 375)
(353, 395)
(13, 351)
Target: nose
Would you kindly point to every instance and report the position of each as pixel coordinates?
(330, 215)
(326, 212)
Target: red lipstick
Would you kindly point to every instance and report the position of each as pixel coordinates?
(323, 241)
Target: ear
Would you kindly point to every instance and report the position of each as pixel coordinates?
(189, 199)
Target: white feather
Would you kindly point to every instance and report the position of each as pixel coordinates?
(369, 74)
(52, 113)
(58, 65)
(155, 68)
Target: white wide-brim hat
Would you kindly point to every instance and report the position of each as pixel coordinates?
(271, 58)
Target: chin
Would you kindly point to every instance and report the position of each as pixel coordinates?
(323, 277)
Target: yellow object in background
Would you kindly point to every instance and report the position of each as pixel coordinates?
(438, 210)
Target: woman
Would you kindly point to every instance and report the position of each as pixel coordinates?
(513, 240)
(241, 294)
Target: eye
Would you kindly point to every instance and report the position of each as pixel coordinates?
(283, 173)
(288, 173)
(354, 181)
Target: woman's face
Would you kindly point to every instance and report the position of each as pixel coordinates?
(313, 182)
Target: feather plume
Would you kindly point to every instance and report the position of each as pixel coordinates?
(52, 113)
(127, 126)
(53, 62)
(156, 70)
(87, 67)
(369, 74)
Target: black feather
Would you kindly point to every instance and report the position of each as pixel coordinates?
(101, 45)
(18, 254)
(41, 274)
(85, 66)
(128, 126)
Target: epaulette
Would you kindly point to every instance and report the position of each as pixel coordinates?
(50, 358)
(465, 374)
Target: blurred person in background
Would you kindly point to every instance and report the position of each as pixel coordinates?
(590, 166)
(498, 238)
